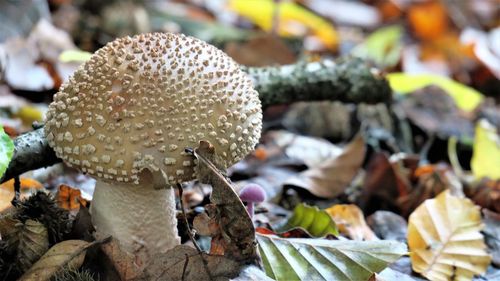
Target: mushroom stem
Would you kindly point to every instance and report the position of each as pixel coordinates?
(250, 209)
(141, 218)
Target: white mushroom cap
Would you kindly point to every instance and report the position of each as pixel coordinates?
(138, 102)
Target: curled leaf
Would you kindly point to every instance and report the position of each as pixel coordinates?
(351, 222)
(317, 222)
(330, 179)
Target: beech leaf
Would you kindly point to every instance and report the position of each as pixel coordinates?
(329, 179)
(317, 222)
(445, 240)
(321, 259)
(351, 222)
(66, 254)
(33, 243)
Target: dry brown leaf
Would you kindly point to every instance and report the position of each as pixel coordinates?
(236, 234)
(266, 49)
(69, 254)
(70, 198)
(33, 243)
(351, 222)
(186, 263)
(28, 186)
(445, 241)
(330, 179)
(123, 262)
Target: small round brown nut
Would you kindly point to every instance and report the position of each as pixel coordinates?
(138, 102)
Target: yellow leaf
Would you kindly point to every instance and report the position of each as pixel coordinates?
(445, 241)
(66, 254)
(261, 12)
(465, 97)
(29, 114)
(74, 56)
(351, 222)
(486, 154)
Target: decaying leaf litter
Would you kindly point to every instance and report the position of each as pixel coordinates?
(378, 158)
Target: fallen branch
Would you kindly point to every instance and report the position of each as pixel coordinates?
(348, 80)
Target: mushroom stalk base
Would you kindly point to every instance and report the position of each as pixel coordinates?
(142, 219)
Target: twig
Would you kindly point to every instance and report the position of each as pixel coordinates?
(17, 191)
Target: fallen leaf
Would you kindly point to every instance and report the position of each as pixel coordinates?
(351, 222)
(388, 225)
(492, 234)
(435, 112)
(123, 262)
(315, 221)
(485, 193)
(465, 97)
(262, 12)
(33, 243)
(330, 179)
(66, 254)
(28, 187)
(431, 180)
(263, 50)
(237, 233)
(6, 151)
(186, 263)
(383, 46)
(383, 184)
(445, 240)
(320, 259)
(428, 19)
(70, 198)
(486, 151)
(309, 150)
(74, 56)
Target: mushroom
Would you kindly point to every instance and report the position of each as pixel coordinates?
(125, 117)
(252, 193)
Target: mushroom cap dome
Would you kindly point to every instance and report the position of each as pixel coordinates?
(138, 102)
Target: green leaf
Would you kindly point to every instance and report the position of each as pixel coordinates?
(74, 56)
(465, 97)
(321, 259)
(317, 222)
(486, 151)
(383, 46)
(6, 151)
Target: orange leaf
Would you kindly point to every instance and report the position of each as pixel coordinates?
(428, 20)
(7, 191)
(351, 222)
(70, 198)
